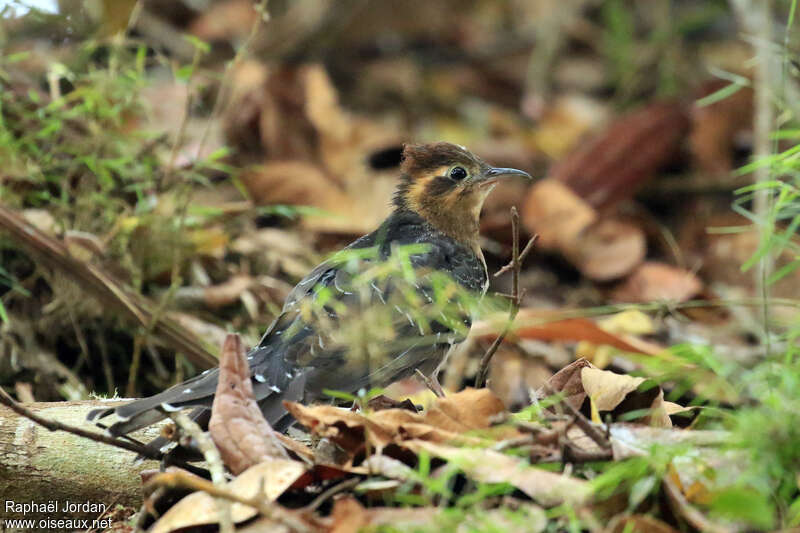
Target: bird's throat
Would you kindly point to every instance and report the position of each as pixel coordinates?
(456, 215)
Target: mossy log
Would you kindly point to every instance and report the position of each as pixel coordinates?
(40, 466)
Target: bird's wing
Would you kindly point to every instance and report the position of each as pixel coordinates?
(347, 325)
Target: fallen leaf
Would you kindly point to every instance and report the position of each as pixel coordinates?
(607, 250)
(568, 382)
(545, 325)
(628, 152)
(488, 466)
(556, 214)
(223, 21)
(631, 440)
(292, 183)
(653, 281)
(624, 324)
(716, 127)
(446, 420)
(348, 516)
(607, 389)
(238, 428)
(565, 121)
(269, 480)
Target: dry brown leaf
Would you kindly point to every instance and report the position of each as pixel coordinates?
(292, 183)
(602, 249)
(566, 120)
(556, 214)
(653, 281)
(216, 296)
(446, 420)
(222, 21)
(715, 128)
(567, 381)
(238, 428)
(607, 250)
(545, 326)
(513, 374)
(627, 153)
(318, 152)
(607, 389)
(268, 480)
(348, 516)
(488, 466)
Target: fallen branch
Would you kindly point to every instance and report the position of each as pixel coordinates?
(516, 297)
(55, 425)
(67, 462)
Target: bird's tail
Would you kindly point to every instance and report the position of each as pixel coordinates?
(198, 393)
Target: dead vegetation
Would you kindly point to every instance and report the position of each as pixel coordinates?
(171, 169)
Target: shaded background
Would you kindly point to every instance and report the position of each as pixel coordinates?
(205, 155)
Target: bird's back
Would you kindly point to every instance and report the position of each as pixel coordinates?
(392, 301)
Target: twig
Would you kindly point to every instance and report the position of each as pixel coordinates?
(188, 481)
(54, 425)
(330, 492)
(514, 442)
(215, 467)
(683, 508)
(128, 443)
(516, 298)
(434, 386)
(598, 436)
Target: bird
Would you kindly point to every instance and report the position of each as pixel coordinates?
(390, 303)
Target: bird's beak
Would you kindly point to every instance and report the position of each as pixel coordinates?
(492, 174)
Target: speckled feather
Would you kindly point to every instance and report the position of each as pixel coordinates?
(291, 361)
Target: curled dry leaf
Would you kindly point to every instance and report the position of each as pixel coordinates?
(607, 389)
(446, 420)
(318, 152)
(488, 466)
(653, 281)
(268, 480)
(626, 154)
(601, 249)
(238, 428)
(567, 381)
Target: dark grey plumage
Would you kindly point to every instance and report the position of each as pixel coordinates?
(420, 307)
(291, 361)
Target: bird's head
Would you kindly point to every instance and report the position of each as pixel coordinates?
(446, 184)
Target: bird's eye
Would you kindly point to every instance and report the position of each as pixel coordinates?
(458, 173)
